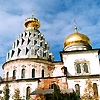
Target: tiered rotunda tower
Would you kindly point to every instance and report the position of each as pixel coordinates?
(31, 43)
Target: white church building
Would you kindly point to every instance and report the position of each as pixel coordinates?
(30, 65)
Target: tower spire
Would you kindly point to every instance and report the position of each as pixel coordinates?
(75, 26)
(32, 13)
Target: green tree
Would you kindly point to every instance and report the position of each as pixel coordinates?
(6, 92)
(57, 93)
(70, 96)
(16, 95)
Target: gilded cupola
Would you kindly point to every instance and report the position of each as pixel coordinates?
(31, 23)
(77, 41)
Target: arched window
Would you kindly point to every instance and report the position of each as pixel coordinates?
(77, 89)
(78, 68)
(14, 74)
(42, 72)
(64, 70)
(23, 73)
(95, 89)
(33, 73)
(7, 76)
(27, 93)
(85, 67)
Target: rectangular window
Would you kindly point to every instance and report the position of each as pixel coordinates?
(28, 41)
(38, 36)
(19, 50)
(12, 53)
(17, 42)
(29, 34)
(34, 35)
(44, 54)
(45, 46)
(25, 33)
(27, 50)
(22, 41)
(8, 55)
(41, 37)
(14, 44)
(40, 43)
(35, 42)
(22, 35)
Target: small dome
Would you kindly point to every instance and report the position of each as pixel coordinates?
(76, 38)
(32, 23)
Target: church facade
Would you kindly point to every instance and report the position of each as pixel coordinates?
(30, 66)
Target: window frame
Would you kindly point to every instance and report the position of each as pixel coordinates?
(7, 76)
(33, 72)
(23, 73)
(14, 74)
(78, 68)
(42, 73)
(28, 91)
(77, 89)
(95, 89)
(83, 70)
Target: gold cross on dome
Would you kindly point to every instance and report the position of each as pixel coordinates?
(75, 26)
(32, 13)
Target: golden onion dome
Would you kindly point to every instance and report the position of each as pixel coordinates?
(32, 23)
(76, 38)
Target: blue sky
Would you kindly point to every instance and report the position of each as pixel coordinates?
(57, 21)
